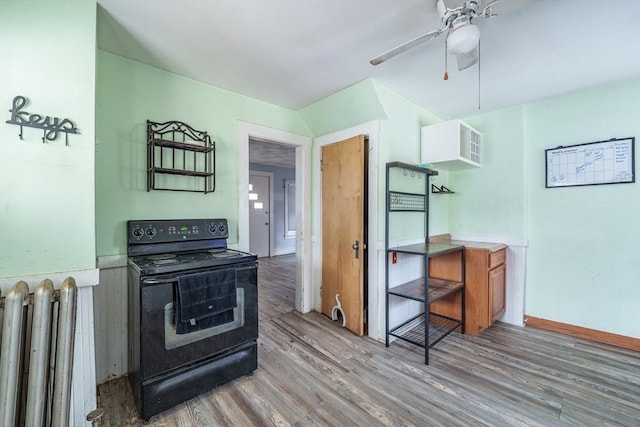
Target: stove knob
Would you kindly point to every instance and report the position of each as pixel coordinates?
(213, 228)
(221, 228)
(137, 232)
(151, 231)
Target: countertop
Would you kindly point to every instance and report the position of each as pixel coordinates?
(446, 238)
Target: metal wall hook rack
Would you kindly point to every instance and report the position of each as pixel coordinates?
(51, 126)
(414, 171)
(440, 190)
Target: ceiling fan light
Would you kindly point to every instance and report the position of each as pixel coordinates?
(466, 60)
(463, 39)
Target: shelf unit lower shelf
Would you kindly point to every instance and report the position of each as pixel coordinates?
(413, 330)
(438, 289)
(422, 330)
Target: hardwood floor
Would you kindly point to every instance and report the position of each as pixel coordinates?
(276, 286)
(313, 372)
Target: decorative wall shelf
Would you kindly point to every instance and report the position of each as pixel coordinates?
(440, 190)
(175, 148)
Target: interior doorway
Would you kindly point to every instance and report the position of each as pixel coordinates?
(302, 188)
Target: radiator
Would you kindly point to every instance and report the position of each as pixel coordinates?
(36, 354)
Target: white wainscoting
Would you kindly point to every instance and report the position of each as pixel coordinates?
(111, 318)
(83, 382)
(83, 386)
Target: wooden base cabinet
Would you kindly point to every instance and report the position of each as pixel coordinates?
(485, 286)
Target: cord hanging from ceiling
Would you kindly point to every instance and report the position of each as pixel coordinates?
(479, 57)
(446, 74)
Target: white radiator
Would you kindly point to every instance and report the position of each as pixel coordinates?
(36, 354)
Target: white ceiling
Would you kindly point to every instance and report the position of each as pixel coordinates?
(295, 52)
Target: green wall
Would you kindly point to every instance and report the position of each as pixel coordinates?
(583, 264)
(400, 141)
(491, 200)
(347, 108)
(47, 54)
(582, 258)
(129, 94)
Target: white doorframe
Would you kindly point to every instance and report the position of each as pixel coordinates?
(271, 207)
(375, 304)
(303, 192)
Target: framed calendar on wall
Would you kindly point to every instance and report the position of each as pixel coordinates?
(593, 163)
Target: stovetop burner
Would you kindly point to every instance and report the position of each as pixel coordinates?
(164, 261)
(222, 253)
(162, 257)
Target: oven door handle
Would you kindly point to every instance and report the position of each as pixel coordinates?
(158, 281)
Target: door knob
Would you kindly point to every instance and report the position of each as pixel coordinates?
(356, 247)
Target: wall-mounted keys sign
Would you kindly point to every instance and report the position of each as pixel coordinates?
(51, 126)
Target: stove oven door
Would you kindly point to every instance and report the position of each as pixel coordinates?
(166, 347)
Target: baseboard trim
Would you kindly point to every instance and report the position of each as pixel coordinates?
(629, 343)
(285, 251)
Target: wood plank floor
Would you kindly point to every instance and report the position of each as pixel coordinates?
(314, 373)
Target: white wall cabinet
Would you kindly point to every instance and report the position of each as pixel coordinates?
(451, 145)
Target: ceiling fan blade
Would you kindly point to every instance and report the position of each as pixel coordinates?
(466, 60)
(406, 46)
(487, 10)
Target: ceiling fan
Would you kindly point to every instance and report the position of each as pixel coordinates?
(463, 36)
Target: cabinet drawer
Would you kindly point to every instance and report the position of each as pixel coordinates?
(497, 258)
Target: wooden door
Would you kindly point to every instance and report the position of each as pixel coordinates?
(259, 209)
(343, 237)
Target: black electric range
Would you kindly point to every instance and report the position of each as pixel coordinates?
(193, 310)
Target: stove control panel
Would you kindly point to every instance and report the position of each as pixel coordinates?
(160, 231)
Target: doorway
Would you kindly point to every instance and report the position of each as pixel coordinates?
(302, 146)
(260, 213)
(308, 249)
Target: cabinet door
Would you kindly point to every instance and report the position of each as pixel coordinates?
(497, 289)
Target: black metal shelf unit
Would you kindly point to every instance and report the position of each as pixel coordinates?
(175, 148)
(426, 328)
